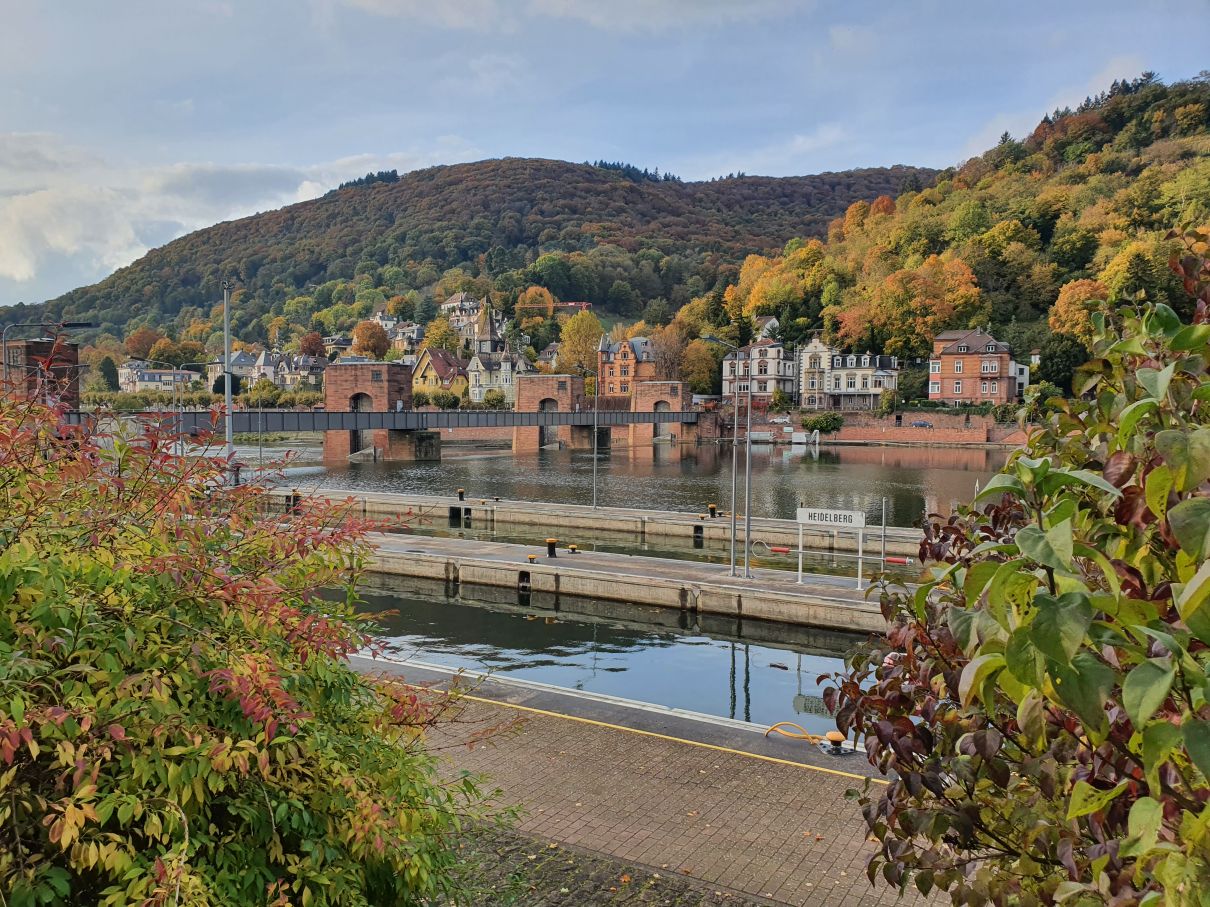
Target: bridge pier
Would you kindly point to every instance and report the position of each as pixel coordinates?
(388, 444)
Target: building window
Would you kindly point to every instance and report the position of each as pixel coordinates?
(983, 387)
(877, 381)
(763, 368)
(810, 401)
(957, 387)
(865, 382)
(625, 388)
(562, 385)
(851, 381)
(611, 371)
(814, 362)
(811, 383)
(995, 387)
(376, 375)
(852, 361)
(991, 347)
(964, 349)
(865, 361)
(625, 371)
(732, 369)
(958, 367)
(760, 387)
(935, 367)
(990, 367)
(934, 387)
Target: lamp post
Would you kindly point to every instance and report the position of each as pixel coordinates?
(62, 325)
(602, 348)
(739, 354)
(229, 432)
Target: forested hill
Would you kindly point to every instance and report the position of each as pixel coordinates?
(618, 241)
(1026, 237)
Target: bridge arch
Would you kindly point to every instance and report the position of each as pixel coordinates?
(548, 434)
(661, 429)
(361, 403)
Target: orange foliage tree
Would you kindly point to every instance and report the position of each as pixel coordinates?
(370, 339)
(1072, 312)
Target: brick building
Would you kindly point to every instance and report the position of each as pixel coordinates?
(623, 364)
(358, 385)
(44, 367)
(972, 366)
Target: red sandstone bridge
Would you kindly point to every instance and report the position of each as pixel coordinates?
(368, 413)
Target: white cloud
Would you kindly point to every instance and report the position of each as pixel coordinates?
(60, 204)
(476, 14)
(1021, 123)
(792, 155)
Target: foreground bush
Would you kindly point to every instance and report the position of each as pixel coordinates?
(178, 723)
(1044, 699)
(824, 423)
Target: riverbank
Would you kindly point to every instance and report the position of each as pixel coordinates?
(579, 524)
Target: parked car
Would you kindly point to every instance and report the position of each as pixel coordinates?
(780, 420)
(921, 423)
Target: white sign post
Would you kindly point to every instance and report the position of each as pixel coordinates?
(834, 519)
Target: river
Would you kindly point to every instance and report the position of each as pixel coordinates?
(684, 477)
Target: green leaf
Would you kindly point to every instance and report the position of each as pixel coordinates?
(1191, 337)
(1130, 416)
(1156, 382)
(1158, 487)
(977, 578)
(1146, 687)
(1086, 477)
(1165, 319)
(1001, 483)
(1194, 594)
(1190, 523)
(1146, 817)
(1023, 659)
(1084, 687)
(1061, 624)
(1039, 546)
(978, 670)
(1087, 799)
(1031, 711)
(1188, 453)
(1197, 742)
(1159, 740)
(962, 625)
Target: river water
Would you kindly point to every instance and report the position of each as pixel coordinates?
(748, 670)
(684, 477)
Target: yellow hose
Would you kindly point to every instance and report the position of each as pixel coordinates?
(800, 735)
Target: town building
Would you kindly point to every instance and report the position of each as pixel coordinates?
(406, 336)
(496, 371)
(548, 359)
(136, 376)
(439, 370)
(624, 363)
(462, 309)
(43, 368)
(243, 366)
(765, 364)
(972, 366)
(831, 379)
(337, 345)
(767, 327)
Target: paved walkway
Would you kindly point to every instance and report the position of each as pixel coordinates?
(765, 828)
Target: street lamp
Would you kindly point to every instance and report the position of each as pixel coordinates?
(61, 325)
(229, 433)
(602, 348)
(739, 355)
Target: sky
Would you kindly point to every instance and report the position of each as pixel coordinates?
(127, 123)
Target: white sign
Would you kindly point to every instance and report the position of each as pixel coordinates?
(839, 519)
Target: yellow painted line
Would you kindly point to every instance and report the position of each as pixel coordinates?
(697, 743)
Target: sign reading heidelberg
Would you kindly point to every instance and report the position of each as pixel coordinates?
(838, 519)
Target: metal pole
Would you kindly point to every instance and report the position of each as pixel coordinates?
(596, 409)
(748, 481)
(230, 436)
(734, 459)
(4, 351)
(800, 552)
(860, 553)
(884, 533)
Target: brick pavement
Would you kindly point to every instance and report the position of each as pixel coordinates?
(770, 830)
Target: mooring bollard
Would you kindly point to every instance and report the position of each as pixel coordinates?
(295, 499)
(461, 494)
(713, 508)
(550, 547)
(835, 742)
(572, 549)
(531, 557)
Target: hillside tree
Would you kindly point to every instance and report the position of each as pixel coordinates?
(370, 339)
(578, 342)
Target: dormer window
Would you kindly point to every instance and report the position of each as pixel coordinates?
(852, 361)
(865, 361)
(964, 348)
(991, 347)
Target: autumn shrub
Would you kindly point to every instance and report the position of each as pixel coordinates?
(824, 423)
(179, 723)
(494, 399)
(1041, 700)
(444, 399)
(419, 399)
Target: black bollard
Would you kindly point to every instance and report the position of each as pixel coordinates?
(550, 547)
(461, 494)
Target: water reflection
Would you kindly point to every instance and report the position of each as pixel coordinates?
(684, 477)
(754, 671)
